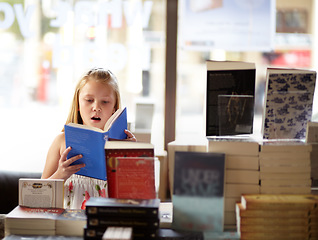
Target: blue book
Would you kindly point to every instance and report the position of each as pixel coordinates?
(198, 191)
(90, 142)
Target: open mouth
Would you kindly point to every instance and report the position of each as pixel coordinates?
(96, 118)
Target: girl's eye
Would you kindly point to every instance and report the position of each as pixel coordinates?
(105, 102)
(89, 100)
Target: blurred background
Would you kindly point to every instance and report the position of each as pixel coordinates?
(46, 46)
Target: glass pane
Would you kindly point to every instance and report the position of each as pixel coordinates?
(48, 45)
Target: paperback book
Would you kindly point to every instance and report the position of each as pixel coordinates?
(230, 98)
(199, 183)
(288, 103)
(90, 142)
(45, 221)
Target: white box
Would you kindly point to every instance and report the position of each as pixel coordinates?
(41, 193)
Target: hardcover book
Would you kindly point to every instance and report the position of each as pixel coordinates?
(288, 103)
(130, 169)
(136, 208)
(90, 142)
(41, 193)
(230, 98)
(198, 196)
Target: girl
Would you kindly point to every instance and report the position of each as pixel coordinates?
(96, 98)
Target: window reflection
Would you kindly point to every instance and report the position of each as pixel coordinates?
(45, 48)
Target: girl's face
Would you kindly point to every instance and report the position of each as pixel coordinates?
(96, 103)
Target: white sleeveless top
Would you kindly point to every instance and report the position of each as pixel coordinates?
(78, 189)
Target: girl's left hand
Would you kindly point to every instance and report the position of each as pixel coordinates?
(130, 136)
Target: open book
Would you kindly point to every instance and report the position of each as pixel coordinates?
(90, 142)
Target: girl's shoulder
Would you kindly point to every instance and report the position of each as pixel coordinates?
(59, 141)
(60, 138)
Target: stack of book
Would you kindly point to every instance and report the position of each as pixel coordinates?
(241, 171)
(194, 145)
(45, 221)
(285, 167)
(312, 138)
(140, 215)
(269, 216)
(314, 164)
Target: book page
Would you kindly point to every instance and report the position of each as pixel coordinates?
(112, 119)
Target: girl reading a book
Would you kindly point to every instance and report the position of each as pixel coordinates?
(96, 98)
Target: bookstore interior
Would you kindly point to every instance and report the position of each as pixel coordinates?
(220, 95)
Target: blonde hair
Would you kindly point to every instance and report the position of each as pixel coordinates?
(99, 75)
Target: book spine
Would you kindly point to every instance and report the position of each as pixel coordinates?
(119, 222)
(92, 233)
(123, 212)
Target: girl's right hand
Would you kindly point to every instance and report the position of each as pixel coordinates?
(65, 169)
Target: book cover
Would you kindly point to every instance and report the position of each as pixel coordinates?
(288, 103)
(230, 98)
(90, 142)
(71, 223)
(41, 193)
(137, 208)
(199, 183)
(134, 177)
(120, 149)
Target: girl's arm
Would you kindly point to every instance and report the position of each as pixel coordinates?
(57, 166)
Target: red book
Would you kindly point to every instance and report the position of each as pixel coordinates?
(130, 170)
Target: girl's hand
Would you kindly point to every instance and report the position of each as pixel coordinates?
(65, 169)
(130, 136)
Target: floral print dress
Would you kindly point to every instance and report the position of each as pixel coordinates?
(78, 189)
